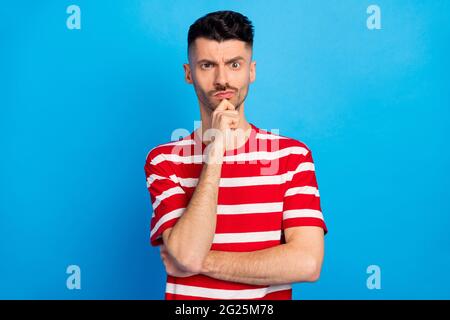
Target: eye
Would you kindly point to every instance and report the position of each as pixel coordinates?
(235, 65)
(206, 65)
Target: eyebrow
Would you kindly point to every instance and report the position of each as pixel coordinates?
(226, 62)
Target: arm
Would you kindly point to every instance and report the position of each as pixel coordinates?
(189, 248)
(299, 260)
(190, 239)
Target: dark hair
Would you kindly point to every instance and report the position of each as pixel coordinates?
(220, 26)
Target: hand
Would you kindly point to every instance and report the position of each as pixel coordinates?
(225, 119)
(171, 265)
(225, 116)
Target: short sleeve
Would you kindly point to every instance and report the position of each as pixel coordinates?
(301, 203)
(168, 198)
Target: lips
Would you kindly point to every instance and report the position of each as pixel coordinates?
(224, 94)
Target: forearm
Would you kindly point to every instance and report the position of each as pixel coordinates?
(190, 239)
(277, 265)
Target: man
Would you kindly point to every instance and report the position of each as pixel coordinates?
(236, 209)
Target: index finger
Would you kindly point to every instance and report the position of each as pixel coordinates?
(225, 104)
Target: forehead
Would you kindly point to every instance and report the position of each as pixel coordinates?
(213, 50)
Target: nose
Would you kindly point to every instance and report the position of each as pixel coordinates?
(221, 79)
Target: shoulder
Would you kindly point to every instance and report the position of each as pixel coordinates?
(162, 151)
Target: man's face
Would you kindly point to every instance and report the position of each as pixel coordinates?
(220, 67)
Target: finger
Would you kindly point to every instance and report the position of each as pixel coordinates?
(225, 116)
(229, 105)
(232, 122)
(225, 104)
(231, 112)
(222, 106)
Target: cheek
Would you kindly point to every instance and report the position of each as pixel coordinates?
(243, 84)
(241, 79)
(203, 83)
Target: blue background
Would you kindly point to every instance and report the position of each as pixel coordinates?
(80, 109)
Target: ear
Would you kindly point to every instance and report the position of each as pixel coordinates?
(187, 73)
(252, 71)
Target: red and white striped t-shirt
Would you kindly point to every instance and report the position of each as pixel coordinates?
(266, 186)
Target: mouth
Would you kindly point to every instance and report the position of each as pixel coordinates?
(224, 94)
